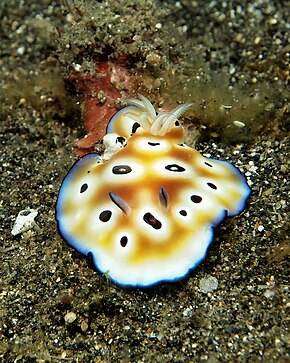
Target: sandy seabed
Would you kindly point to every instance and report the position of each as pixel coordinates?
(54, 306)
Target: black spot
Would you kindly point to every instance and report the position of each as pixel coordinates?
(152, 221)
(153, 143)
(212, 186)
(121, 169)
(105, 216)
(120, 139)
(124, 241)
(196, 198)
(135, 127)
(175, 168)
(183, 212)
(88, 171)
(208, 164)
(176, 123)
(84, 187)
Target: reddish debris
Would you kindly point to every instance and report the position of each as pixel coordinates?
(99, 95)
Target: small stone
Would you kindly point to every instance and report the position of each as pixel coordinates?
(269, 293)
(260, 228)
(21, 50)
(70, 317)
(187, 311)
(208, 284)
(283, 169)
(273, 21)
(22, 101)
(239, 124)
(257, 40)
(153, 58)
(84, 326)
(77, 67)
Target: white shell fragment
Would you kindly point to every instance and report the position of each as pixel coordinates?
(24, 221)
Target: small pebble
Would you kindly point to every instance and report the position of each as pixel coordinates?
(21, 50)
(70, 317)
(84, 326)
(261, 228)
(208, 284)
(269, 293)
(239, 124)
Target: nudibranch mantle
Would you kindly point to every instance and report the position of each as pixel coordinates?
(146, 208)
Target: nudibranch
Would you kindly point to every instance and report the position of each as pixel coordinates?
(145, 209)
